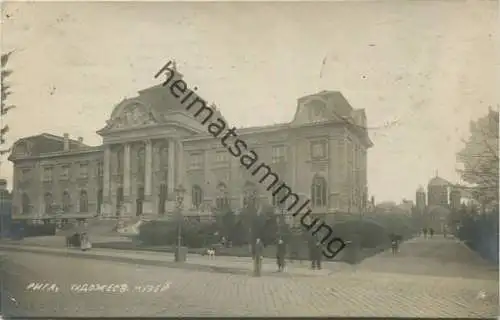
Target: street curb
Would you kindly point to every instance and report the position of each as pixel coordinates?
(168, 264)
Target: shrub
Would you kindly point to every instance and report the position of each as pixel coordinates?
(194, 234)
(480, 233)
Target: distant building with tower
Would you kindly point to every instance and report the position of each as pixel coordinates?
(435, 207)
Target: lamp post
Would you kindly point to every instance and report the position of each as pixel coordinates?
(281, 221)
(179, 199)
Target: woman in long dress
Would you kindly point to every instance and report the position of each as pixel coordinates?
(85, 242)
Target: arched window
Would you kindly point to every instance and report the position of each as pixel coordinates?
(48, 202)
(99, 200)
(318, 192)
(222, 201)
(26, 207)
(197, 196)
(278, 198)
(249, 194)
(84, 201)
(119, 160)
(66, 202)
(162, 198)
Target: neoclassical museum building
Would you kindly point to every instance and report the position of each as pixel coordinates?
(151, 145)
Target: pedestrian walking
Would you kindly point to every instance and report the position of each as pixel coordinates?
(280, 255)
(316, 254)
(425, 232)
(394, 246)
(431, 231)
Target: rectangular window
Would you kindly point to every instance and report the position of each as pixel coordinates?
(47, 174)
(318, 149)
(84, 170)
(221, 157)
(196, 161)
(65, 172)
(100, 169)
(278, 154)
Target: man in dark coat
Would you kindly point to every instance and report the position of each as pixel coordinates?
(315, 255)
(280, 255)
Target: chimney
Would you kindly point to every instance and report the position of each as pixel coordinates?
(80, 140)
(66, 142)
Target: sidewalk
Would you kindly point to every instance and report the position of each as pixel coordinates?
(233, 265)
(438, 256)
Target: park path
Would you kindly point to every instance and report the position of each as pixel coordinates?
(437, 256)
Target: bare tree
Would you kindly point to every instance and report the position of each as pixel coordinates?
(479, 158)
(5, 92)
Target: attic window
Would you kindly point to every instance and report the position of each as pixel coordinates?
(316, 110)
(21, 149)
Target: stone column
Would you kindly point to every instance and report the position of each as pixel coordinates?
(41, 193)
(106, 206)
(127, 205)
(147, 206)
(171, 167)
(293, 164)
(180, 164)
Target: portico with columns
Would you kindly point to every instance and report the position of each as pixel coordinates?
(143, 162)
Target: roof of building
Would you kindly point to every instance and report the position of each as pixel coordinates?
(420, 189)
(46, 143)
(438, 182)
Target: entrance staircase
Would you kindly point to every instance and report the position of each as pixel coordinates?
(130, 227)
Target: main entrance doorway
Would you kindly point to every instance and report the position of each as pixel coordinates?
(162, 198)
(119, 201)
(139, 201)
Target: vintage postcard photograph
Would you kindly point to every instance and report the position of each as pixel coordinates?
(249, 159)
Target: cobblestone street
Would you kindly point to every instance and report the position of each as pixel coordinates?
(381, 286)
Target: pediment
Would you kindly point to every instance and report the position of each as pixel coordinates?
(131, 115)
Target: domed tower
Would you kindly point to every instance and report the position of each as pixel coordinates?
(437, 192)
(420, 199)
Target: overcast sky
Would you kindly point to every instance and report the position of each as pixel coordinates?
(430, 65)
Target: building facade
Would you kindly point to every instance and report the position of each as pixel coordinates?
(443, 197)
(152, 144)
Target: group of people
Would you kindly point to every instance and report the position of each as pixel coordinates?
(429, 231)
(395, 241)
(315, 254)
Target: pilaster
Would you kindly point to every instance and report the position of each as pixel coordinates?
(171, 168)
(147, 206)
(127, 201)
(106, 207)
